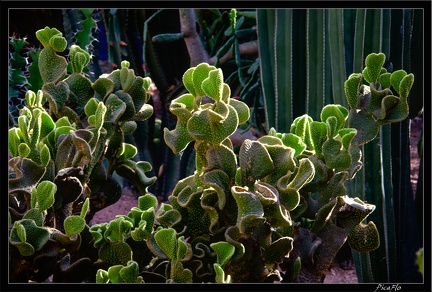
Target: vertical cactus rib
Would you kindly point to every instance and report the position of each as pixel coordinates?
(265, 23)
(359, 36)
(389, 235)
(315, 62)
(283, 69)
(337, 55)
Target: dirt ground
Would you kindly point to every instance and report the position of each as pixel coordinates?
(335, 275)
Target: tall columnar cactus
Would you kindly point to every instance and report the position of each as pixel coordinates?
(322, 48)
(56, 169)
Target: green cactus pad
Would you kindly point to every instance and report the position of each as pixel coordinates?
(129, 273)
(250, 209)
(36, 215)
(52, 67)
(199, 74)
(115, 253)
(179, 274)
(74, 225)
(79, 58)
(36, 237)
(367, 128)
(27, 173)
(102, 88)
(364, 237)
(220, 274)
(82, 90)
(335, 156)
(56, 94)
(337, 111)
(396, 78)
(45, 195)
(374, 63)
(352, 88)
(44, 35)
(224, 251)
(213, 125)
(278, 250)
(242, 110)
(251, 167)
(147, 201)
(213, 85)
(167, 241)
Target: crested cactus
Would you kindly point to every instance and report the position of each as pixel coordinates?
(243, 212)
(57, 180)
(273, 210)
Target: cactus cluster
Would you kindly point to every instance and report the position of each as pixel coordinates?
(57, 174)
(275, 210)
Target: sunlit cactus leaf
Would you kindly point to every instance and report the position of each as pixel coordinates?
(224, 251)
(396, 78)
(74, 225)
(117, 229)
(405, 86)
(211, 126)
(337, 111)
(130, 273)
(45, 195)
(352, 88)
(179, 274)
(304, 174)
(220, 274)
(44, 35)
(102, 277)
(79, 58)
(374, 63)
(242, 110)
(199, 74)
(127, 77)
(51, 66)
(384, 80)
(102, 88)
(300, 127)
(167, 216)
(147, 201)
(188, 81)
(167, 241)
(36, 215)
(213, 84)
(295, 142)
(114, 274)
(115, 253)
(288, 197)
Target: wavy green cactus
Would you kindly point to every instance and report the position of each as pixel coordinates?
(375, 104)
(57, 179)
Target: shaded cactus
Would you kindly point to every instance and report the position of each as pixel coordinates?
(56, 166)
